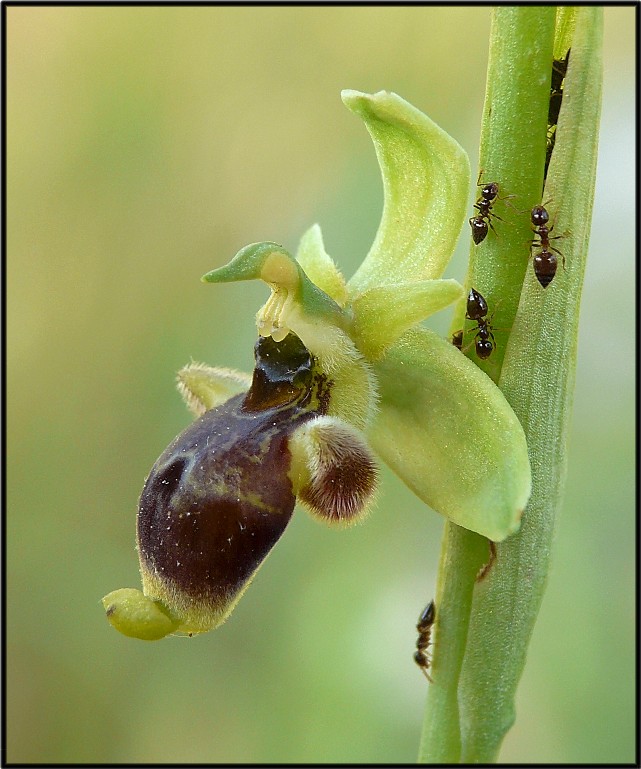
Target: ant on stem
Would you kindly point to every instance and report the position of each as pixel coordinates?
(484, 338)
(477, 311)
(483, 220)
(545, 262)
(559, 71)
(424, 627)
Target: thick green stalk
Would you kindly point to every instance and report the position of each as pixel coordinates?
(479, 656)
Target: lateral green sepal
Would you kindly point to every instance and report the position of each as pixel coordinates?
(447, 431)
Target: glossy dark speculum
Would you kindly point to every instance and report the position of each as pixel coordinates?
(219, 497)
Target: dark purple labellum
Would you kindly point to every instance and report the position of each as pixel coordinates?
(219, 497)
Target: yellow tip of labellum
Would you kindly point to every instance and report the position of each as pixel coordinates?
(137, 616)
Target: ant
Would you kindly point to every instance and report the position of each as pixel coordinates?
(483, 220)
(483, 205)
(545, 262)
(477, 310)
(424, 627)
(559, 71)
(457, 339)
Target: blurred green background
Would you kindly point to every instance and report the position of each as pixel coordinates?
(145, 147)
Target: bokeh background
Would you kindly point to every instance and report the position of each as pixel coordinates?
(145, 147)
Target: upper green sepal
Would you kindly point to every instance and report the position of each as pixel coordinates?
(426, 182)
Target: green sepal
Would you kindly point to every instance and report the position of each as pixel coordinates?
(384, 313)
(137, 616)
(426, 182)
(447, 431)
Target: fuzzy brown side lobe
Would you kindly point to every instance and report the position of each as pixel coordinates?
(340, 489)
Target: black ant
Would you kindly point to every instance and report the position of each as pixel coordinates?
(457, 339)
(559, 71)
(545, 262)
(483, 220)
(477, 311)
(424, 627)
(483, 205)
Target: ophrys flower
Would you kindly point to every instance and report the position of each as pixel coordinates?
(340, 367)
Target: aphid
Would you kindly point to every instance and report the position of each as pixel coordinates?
(545, 262)
(457, 339)
(477, 311)
(559, 70)
(424, 627)
(483, 205)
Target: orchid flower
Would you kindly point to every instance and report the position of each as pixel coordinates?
(344, 373)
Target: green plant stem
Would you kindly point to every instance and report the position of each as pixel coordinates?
(484, 626)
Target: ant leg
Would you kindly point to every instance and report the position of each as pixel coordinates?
(560, 253)
(468, 346)
(506, 200)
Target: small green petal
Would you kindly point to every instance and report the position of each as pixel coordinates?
(137, 616)
(205, 387)
(383, 314)
(450, 435)
(426, 181)
(320, 267)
